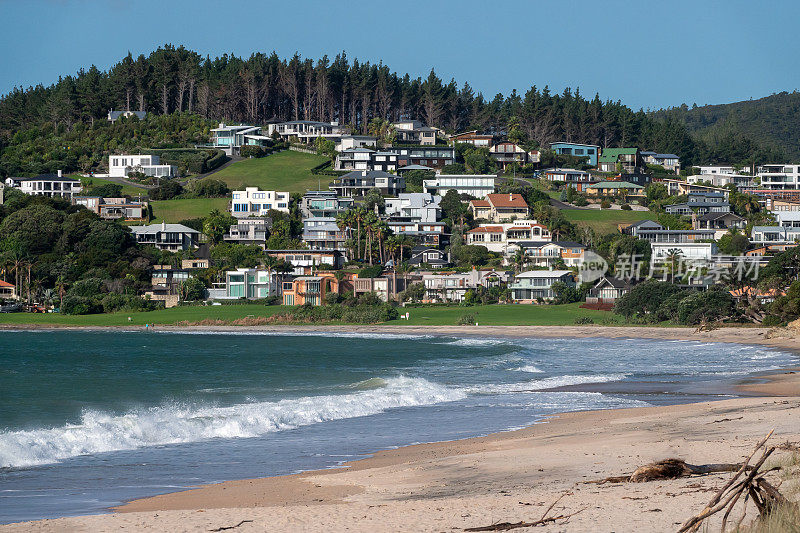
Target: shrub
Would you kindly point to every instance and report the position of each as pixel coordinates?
(79, 305)
(209, 188)
(605, 204)
(625, 207)
(584, 320)
(771, 321)
(370, 271)
(87, 288)
(167, 191)
(252, 151)
(581, 201)
(466, 320)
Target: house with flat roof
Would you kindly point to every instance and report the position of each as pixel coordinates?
(685, 250)
(506, 153)
(577, 179)
(499, 207)
(171, 237)
(347, 142)
(250, 283)
(120, 166)
(476, 185)
(322, 233)
(114, 208)
(308, 130)
(777, 177)
(426, 156)
(51, 185)
(250, 231)
(530, 287)
(311, 290)
(775, 235)
(359, 182)
(589, 151)
(474, 138)
(252, 201)
(307, 261)
(424, 233)
(230, 138)
(324, 204)
(451, 287)
(544, 254)
(413, 207)
(414, 131)
(366, 159)
(502, 238)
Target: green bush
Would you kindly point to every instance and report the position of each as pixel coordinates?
(252, 151)
(79, 305)
(584, 320)
(167, 191)
(625, 207)
(581, 201)
(370, 271)
(605, 204)
(466, 320)
(771, 321)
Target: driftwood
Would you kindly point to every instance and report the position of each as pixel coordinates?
(753, 487)
(506, 526)
(668, 469)
(225, 528)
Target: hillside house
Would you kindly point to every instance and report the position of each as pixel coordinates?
(499, 207)
(589, 151)
(529, 287)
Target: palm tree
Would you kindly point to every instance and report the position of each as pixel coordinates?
(673, 255)
(519, 261)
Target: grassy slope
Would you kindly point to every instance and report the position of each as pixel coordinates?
(283, 171)
(604, 220)
(177, 210)
(127, 190)
(511, 315)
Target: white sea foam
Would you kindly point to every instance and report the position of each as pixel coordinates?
(543, 384)
(527, 368)
(475, 341)
(295, 333)
(100, 432)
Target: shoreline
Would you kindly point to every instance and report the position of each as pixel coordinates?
(330, 498)
(772, 337)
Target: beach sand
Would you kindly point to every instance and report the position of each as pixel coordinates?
(505, 477)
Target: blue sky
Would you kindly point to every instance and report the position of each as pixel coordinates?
(647, 54)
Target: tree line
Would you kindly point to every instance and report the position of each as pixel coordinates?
(265, 88)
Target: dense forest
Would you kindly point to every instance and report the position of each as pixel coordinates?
(772, 120)
(262, 88)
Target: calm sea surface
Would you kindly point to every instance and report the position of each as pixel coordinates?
(92, 419)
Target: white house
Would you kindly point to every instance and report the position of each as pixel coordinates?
(779, 176)
(172, 237)
(119, 166)
(250, 283)
(501, 238)
(254, 202)
(686, 250)
(414, 207)
(230, 139)
(538, 284)
(308, 130)
(51, 185)
(477, 185)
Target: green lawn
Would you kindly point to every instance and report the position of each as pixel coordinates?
(127, 190)
(283, 171)
(172, 211)
(604, 220)
(495, 315)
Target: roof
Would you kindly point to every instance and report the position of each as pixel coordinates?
(487, 229)
(114, 115)
(543, 274)
(614, 282)
(715, 216)
(643, 222)
(414, 167)
(507, 200)
(172, 228)
(480, 203)
(574, 144)
(615, 185)
(568, 244)
(46, 177)
(5, 284)
(666, 156)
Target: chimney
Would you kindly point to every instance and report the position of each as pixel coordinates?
(59, 173)
(163, 226)
(510, 197)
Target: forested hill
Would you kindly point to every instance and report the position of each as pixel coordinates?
(772, 120)
(35, 123)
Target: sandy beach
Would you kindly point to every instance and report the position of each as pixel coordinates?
(505, 477)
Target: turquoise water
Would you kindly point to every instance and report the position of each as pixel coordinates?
(92, 419)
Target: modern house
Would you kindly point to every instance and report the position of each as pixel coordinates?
(530, 287)
(348, 142)
(425, 255)
(778, 177)
(308, 130)
(742, 181)
(775, 235)
(114, 208)
(311, 290)
(322, 233)
(670, 162)
(505, 153)
(250, 231)
(626, 160)
(413, 207)
(499, 207)
(50, 185)
(577, 179)
(120, 166)
(474, 138)
(424, 233)
(633, 229)
(776, 206)
(544, 254)
(426, 156)
(250, 283)
(614, 188)
(366, 159)
(414, 131)
(589, 151)
(324, 204)
(257, 203)
(113, 116)
(684, 250)
(171, 237)
(230, 139)
(675, 236)
(502, 238)
(718, 221)
(476, 185)
(165, 284)
(306, 261)
(359, 182)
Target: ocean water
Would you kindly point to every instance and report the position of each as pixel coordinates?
(92, 419)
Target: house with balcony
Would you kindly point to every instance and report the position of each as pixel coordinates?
(307, 131)
(589, 151)
(625, 160)
(250, 283)
(322, 233)
(165, 284)
(253, 202)
(424, 233)
(506, 153)
(308, 261)
(718, 221)
(633, 229)
(170, 237)
(311, 290)
(120, 166)
(451, 287)
(701, 203)
(675, 236)
(425, 156)
(607, 291)
(502, 238)
(347, 142)
(770, 235)
(51, 185)
(577, 179)
(537, 285)
(114, 208)
(777, 177)
(230, 138)
(614, 188)
(359, 182)
(500, 207)
(544, 254)
(414, 207)
(430, 256)
(741, 181)
(250, 231)
(670, 162)
(324, 204)
(414, 132)
(475, 185)
(691, 250)
(366, 159)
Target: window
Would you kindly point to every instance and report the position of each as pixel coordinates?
(496, 237)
